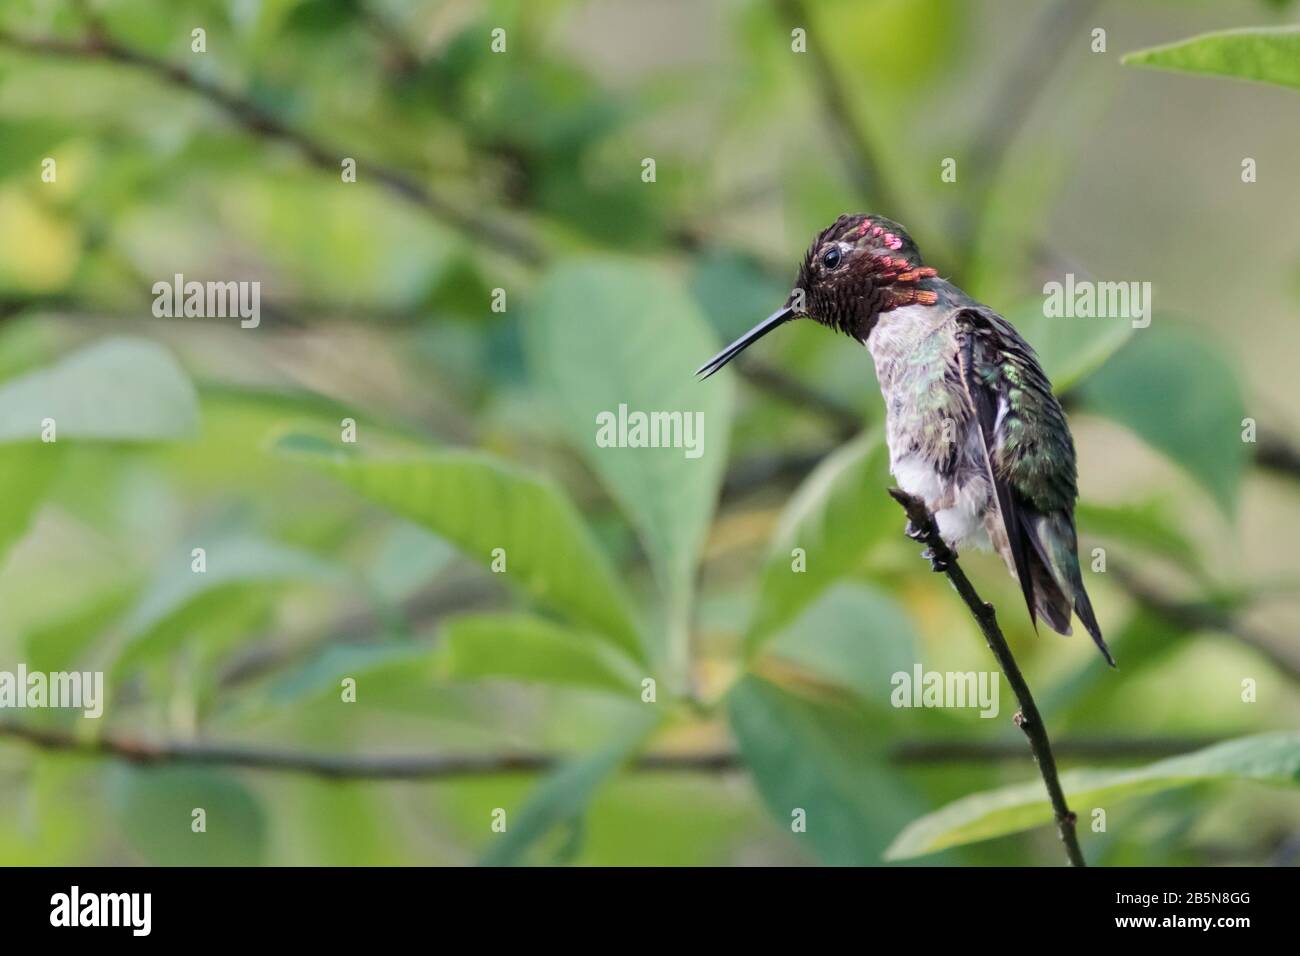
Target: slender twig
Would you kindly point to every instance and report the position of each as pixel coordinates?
(857, 153)
(1054, 30)
(769, 470)
(402, 57)
(144, 752)
(1056, 27)
(1201, 615)
(423, 609)
(257, 121)
(1274, 453)
(1028, 718)
(1086, 748)
(844, 419)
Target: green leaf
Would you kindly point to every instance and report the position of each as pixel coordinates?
(836, 516)
(1261, 54)
(607, 333)
(126, 390)
(734, 291)
(525, 647)
(854, 636)
(563, 796)
(183, 604)
(115, 390)
(1270, 758)
(378, 669)
(60, 643)
(28, 471)
(1070, 349)
(409, 558)
(1084, 698)
(1181, 396)
(479, 504)
(155, 807)
(818, 757)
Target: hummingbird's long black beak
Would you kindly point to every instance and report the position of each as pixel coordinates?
(779, 317)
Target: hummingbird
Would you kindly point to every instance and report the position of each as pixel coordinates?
(972, 426)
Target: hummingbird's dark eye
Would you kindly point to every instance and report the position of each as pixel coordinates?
(831, 259)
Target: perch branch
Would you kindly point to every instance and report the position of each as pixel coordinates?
(1027, 719)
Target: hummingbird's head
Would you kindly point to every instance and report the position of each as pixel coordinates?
(856, 269)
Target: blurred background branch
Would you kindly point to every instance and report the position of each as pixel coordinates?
(258, 122)
(146, 752)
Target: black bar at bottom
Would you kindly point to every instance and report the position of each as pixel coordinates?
(334, 906)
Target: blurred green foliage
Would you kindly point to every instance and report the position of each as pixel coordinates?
(375, 562)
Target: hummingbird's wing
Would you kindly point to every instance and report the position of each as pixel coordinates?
(1029, 455)
(980, 390)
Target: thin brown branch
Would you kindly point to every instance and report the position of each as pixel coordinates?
(259, 122)
(1041, 52)
(1081, 748)
(141, 751)
(1054, 31)
(844, 419)
(761, 471)
(423, 610)
(856, 150)
(1274, 453)
(1028, 718)
(1201, 616)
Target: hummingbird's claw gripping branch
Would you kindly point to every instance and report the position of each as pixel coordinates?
(1027, 718)
(938, 562)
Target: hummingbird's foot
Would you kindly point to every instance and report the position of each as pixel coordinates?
(913, 532)
(938, 563)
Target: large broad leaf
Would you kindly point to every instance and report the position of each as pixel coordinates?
(125, 390)
(734, 291)
(609, 340)
(854, 636)
(28, 471)
(57, 645)
(408, 559)
(528, 648)
(184, 604)
(1262, 54)
(563, 796)
(1070, 349)
(838, 514)
(1271, 758)
(819, 757)
(480, 504)
(116, 390)
(156, 807)
(1179, 395)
